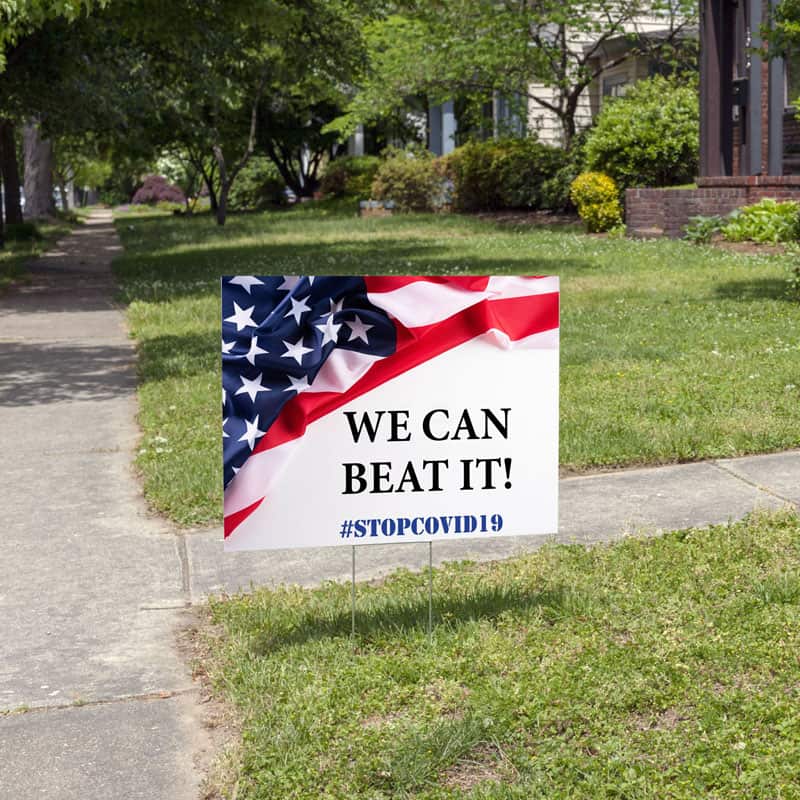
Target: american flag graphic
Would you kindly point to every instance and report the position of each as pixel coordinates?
(295, 349)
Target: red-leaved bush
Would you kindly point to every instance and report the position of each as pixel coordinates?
(156, 189)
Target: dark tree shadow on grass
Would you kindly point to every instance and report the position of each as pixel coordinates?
(170, 276)
(173, 356)
(754, 289)
(380, 617)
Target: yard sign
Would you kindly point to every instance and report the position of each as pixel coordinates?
(367, 410)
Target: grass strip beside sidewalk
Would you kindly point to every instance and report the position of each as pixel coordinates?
(670, 352)
(15, 256)
(652, 668)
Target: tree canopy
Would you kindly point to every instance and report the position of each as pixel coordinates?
(205, 85)
(547, 51)
(21, 17)
(208, 81)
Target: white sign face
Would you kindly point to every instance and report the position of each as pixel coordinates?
(389, 410)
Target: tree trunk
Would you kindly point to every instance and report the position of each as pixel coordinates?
(224, 184)
(212, 194)
(207, 178)
(38, 155)
(2, 224)
(310, 185)
(228, 176)
(568, 125)
(9, 169)
(222, 203)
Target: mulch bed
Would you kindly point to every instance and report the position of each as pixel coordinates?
(549, 218)
(529, 218)
(750, 248)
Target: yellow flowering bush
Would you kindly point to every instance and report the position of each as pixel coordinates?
(596, 197)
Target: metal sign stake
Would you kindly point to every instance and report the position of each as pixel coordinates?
(430, 593)
(353, 598)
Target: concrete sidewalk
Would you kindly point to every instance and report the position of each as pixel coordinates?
(93, 587)
(593, 508)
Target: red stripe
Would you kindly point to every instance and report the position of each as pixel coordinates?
(518, 317)
(388, 283)
(232, 521)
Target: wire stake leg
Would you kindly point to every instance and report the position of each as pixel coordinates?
(430, 593)
(353, 598)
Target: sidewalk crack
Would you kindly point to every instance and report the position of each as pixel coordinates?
(183, 558)
(131, 698)
(760, 487)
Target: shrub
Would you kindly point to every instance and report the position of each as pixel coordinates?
(170, 208)
(648, 137)
(258, 186)
(701, 229)
(555, 190)
(113, 196)
(350, 176)
(69, 216)
(507, 173)
(597, 199)
(156, 188)
(409, 178)
(768, 221)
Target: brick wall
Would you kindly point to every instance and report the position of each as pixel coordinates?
(665, 212)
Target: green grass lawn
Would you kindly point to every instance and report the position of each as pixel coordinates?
(15, 255)
(660, 668)
(670, 352)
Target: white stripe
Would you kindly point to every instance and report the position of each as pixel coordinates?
(546, 340)
(505, 286)
(341, 370)
(257, 477)
(261, 471)
(424, 303)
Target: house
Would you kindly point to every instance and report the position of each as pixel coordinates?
(749, 134)
(618, 60)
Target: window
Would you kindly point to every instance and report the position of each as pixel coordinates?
(615, 86)
(791, 66)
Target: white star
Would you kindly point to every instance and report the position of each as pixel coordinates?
(235, 470)
(246, 281)
(299, 307)
(227, 346)
(330, 331)
(254, 351)
(224, 434)
(251, 387)
(298, 384)
(358, 330)
(252, 433)
(223, 395)
(242, 317)
(289, 282)
(335, 307)
(296, 350)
